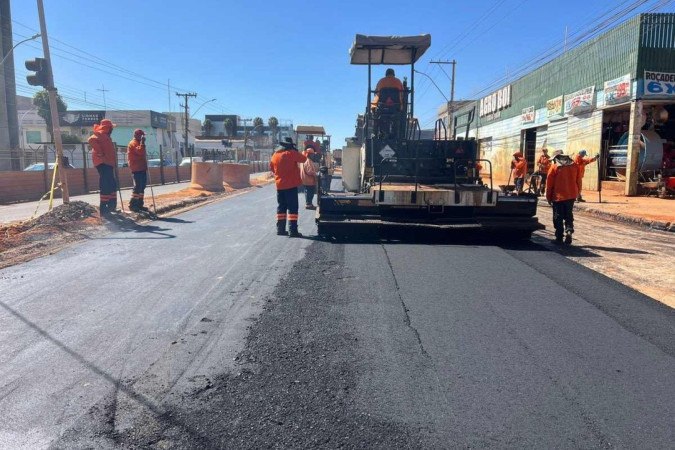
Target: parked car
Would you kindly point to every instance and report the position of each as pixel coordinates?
(38, 167)
(244, 161)
(158, 162)
(190, 159)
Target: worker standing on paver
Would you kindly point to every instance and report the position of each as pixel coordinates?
(284, 165)
(562, 188)
(543, 166)
(104, 157)
(138, 163)
(582, 161)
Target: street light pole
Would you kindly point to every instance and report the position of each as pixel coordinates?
(53, 106)
(35, 36)
(200, 106)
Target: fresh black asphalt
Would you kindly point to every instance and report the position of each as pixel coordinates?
(209, 331)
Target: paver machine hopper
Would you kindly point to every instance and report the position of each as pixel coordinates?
(409, 182)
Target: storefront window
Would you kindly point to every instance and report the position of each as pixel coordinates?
(33, 137)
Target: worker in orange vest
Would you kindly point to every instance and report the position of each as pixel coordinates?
(308, 174)
(284, 165)
(543, 165)
(388, 82)
(104, 157)
(138, 163)
(562, 188)
(582, 161)
(519, 169)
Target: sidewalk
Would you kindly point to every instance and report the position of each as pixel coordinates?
(651, 212)
(24, 211)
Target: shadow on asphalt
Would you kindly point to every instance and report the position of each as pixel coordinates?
(126, 225)
(172, 220)
(159, 414)
(433, 238)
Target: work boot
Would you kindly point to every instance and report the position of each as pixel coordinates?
(568, 236)
(579, 199)
(310, 206)
(133, 205)
(293, 226)
(281, 228)
(141, 206)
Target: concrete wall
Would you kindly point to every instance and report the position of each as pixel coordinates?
(25, 186)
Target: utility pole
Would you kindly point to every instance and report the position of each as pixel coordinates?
(104, 90)
(246, 121)
(53, 106)
(451, 104)
(186, 96)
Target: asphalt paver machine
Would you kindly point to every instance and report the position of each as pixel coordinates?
(409, 182)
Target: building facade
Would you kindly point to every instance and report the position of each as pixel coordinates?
(613, 95)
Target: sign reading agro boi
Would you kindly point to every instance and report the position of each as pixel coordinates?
(659, 84)
(580, 101)
(495, 102)
(617, 90)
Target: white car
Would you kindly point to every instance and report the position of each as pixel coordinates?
(190, 159)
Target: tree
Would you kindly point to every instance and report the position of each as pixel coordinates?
(258, 125)
(41, 101)
(229, 126)
(273, 123)
(208, 126)
(70, 139)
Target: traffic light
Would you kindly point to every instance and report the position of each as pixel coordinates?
(41, 75)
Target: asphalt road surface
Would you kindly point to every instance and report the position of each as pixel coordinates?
(207, 330)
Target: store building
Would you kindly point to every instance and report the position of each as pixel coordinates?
(613, 95)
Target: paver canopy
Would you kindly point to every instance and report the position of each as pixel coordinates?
(390, 50)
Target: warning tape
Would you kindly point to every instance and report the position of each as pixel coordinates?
(54, 187)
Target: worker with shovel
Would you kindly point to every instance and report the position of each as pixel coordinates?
(562, 188)
(104, 157)
(138, 163)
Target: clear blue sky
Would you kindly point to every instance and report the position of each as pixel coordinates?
(288, 59)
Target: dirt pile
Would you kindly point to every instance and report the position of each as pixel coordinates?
(63, 214)
(47, 233)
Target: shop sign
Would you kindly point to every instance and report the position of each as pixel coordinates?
(495, 102)
(158, 120)
(617, 90)
(580, 101)
(554, 107)
(81, 118)
(659, 84)
(527, 115)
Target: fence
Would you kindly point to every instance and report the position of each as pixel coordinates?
(21, 185)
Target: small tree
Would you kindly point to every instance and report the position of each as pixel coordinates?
(208, 126)
(229, 126)
(273, 123)
(70, 139)
(41, 101)
(258, 125)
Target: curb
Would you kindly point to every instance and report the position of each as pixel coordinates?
(623, 218)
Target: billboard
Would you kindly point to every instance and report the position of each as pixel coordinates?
(659, 84)
(159, 120)
(617, 90)
(80, 118)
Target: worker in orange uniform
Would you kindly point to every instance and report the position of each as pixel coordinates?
(582, 161)
(308, 172)
(284, 165)
(543, 165)
(388, 82)
(519, 170)
(138, 163)
(562, 188)
(104, 157)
